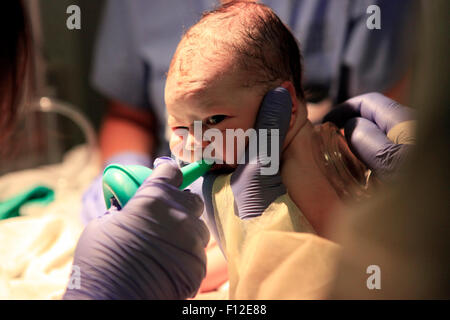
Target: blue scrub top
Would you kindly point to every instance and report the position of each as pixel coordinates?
(341, 56)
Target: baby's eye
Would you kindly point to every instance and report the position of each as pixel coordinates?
(215, 119)
(180, 128)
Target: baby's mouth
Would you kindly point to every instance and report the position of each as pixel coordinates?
(223, 168)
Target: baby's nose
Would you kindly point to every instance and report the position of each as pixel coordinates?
(194, 143)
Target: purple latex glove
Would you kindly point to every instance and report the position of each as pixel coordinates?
(154, 248)
(93, 203)
(253, 191)
(367, 120)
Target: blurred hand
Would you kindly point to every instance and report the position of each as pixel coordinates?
(379, 131)
(154, 248)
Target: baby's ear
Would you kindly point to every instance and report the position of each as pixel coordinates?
(297, 109)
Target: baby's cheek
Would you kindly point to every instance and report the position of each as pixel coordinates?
(222, 150)
(234, 148)
(176, 147)
(225, 149)
(216, 149)
(183, 150)
(228, 152)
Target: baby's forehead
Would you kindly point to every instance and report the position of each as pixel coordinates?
(211, 43)
(208, 57)
(201, 97)
(201, 75)
(198, 60)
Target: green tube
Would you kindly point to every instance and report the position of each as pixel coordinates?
(193, 171)
(120, 183)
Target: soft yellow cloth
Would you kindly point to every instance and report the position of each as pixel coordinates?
(287, 265)
(37, 247)
(274, 256)
(403, 132)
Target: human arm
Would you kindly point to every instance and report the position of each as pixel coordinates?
(126, 128)
(154, 248)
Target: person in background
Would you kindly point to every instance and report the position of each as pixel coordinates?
(342, 58)
(404, 231)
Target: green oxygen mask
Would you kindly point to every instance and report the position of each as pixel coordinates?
(120, 183)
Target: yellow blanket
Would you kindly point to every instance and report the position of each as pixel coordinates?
(276, 255)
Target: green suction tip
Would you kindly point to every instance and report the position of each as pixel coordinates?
(120, 183)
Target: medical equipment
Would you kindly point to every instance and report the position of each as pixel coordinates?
(120, 182)
(44, 133)
(347, 174)
(153, 249)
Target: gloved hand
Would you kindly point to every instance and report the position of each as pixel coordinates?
(254, 191)
(154, 248)
(93, 204)
(379, 131)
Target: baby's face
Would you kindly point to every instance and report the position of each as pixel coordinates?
(218, 100)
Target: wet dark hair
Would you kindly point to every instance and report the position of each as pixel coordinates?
(262, 44)
(14, 63)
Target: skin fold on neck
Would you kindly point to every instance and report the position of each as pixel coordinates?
(307, 185)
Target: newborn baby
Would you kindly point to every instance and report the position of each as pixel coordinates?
(220, 72)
